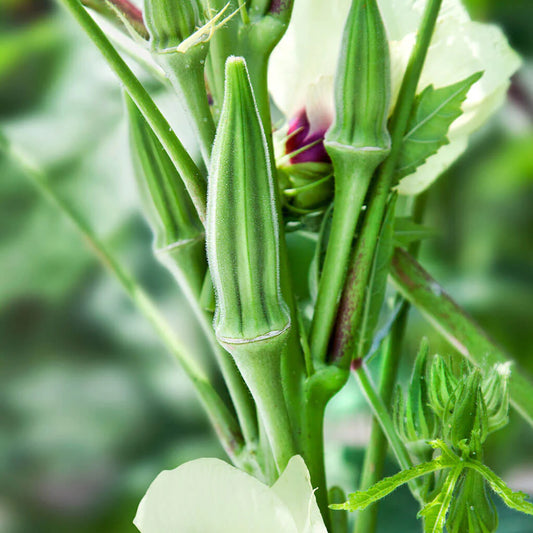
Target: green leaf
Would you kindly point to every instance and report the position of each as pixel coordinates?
(435, 511)
(434, 110)
(362, 499)
(515, 500)
(406, 231)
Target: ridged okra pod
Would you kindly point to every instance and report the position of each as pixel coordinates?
(357, 143)
(178, 232)
(179, 36)
(179, 244)
(251, 319)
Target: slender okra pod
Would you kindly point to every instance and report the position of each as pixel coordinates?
(357, 143)
(251, 321)
(178, 232)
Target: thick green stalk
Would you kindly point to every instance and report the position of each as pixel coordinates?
(186, 74)
(351, 306)
(224, 423)
(349, 198)
(423, 292)
(313, 444)
(319, 388)
(191, 175)
(376, 451)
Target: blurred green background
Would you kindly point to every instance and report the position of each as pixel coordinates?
(91, 405)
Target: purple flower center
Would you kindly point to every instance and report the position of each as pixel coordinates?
(300, 136)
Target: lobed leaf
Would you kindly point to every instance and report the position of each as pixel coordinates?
(514, 500)
(434, 111)
(361, 499)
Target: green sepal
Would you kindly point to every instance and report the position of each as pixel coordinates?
(433, 112)
(307, 187)
(442, 384)
(472, 509)
(178, 233)
(495, 389)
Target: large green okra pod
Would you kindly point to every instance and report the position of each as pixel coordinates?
(251, 319)
(180, 244)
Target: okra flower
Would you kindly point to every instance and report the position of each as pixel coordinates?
(210, 495)
(303, 66)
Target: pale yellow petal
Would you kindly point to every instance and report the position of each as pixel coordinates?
(295, 490)
(308, 51)
(210, 496)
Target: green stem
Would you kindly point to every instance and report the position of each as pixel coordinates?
(350, 192)
(382, 414)
(191, 175)
(221, 46)
(351, 305)
(417, 286)
(339, 519)
(223, 421)
(319, 388)
(376, 451)
(238, 391)
(260, 365)
(186, 74)
(313, 441)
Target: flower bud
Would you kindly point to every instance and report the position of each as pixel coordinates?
(170, 23)
(420, 418)
(465, 418)
(416, 422)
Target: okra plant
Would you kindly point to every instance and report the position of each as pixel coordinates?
(329, 119)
